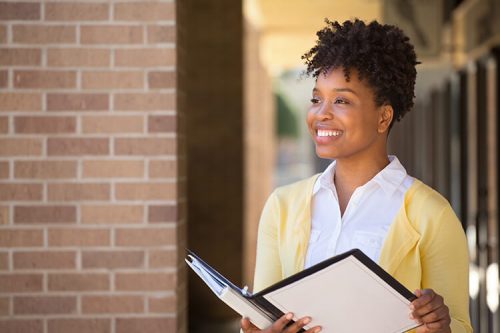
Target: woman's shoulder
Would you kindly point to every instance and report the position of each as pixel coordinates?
(296, 193)
(420, 194)
(298, 188)
(423, 203)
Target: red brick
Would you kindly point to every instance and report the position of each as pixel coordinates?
(78, 237)
(20, 147)
(44, 305)
(161, 124)
(113, 124)
(162, 168)
(141, 325)
(44, 260)
(21, 325)
(19, 11)
(162, 80)
(79, 325)
(78, 57)
(113, 80)
(165, 304)
(146, 191)
(4, 170)
(78, 282)
(43, 34)
(112, 214)
(145, 281)
(145, 237)
(4, 125)
(44, 214)
(3, 34)
(20, 283)
(112, 259)
(44, 79)
(68, 11)
(163, 213)
(45, 169)
(106, 34)
(144, 58)
(4, 263)
(20, 57)
(20, 192)
(113, 168)
(144, 11)
(145, 146)
(20, 102)
(48, 125)
(162, 258)
(4, 79)
(112, 304)
(161, 34)
(4, 216)
(77, 146)
(77, 102)
(21, 238)
(4, 307)
(78, 191)
(145, 101)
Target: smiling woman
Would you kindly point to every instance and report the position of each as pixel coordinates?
(365, 77)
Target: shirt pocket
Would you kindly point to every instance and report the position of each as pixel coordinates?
(368, 242)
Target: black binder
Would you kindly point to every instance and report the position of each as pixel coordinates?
(343, 294)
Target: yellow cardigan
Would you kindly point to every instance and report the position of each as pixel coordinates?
(425, 246)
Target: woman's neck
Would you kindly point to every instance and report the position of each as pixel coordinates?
(350, 175)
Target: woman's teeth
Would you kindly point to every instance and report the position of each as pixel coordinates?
(329, 133)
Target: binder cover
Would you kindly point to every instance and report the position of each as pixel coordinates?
(343, 294)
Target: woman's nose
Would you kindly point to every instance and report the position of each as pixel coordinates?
(325, 112)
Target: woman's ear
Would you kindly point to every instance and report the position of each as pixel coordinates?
(385, 118)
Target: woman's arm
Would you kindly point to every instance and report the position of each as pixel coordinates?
(268, 263)
(445, 272)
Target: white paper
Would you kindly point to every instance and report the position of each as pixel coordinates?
(345, 297)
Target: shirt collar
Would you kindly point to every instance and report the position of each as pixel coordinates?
(389, 178)
(325, 180)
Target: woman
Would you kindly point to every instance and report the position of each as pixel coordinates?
(365, 78)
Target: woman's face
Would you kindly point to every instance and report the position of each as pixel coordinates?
(343, 119)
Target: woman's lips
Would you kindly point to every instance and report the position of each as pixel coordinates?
(325, 136)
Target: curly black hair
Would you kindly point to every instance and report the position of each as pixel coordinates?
(380, 53)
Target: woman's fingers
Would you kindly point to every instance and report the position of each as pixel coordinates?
(430, 310)
(299, 324)
(279, 325)
(282, 325)
(247, 326)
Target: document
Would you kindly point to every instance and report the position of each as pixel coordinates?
(343, 294)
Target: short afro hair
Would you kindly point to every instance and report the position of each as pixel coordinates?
(380, 53)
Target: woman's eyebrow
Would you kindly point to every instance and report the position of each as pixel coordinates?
(339, 90)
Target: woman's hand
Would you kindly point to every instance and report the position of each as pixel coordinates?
(280, 326)
(430, 310)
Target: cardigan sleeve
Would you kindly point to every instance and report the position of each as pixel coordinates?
(445, 267)
(268, 263)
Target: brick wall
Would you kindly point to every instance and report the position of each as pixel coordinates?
(91, 195)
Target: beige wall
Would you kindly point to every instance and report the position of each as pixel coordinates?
(89, 187)
(259, 143)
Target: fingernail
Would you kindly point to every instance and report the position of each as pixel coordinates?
(412, 307)
(317, 330)
(289, 316)
(411, 316)
(306, 320)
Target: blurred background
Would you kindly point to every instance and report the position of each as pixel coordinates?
(131, 130)
(251, 99)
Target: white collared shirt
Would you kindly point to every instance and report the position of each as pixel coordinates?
(367, 217)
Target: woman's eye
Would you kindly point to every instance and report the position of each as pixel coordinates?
(341, 101)
(314, 100)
